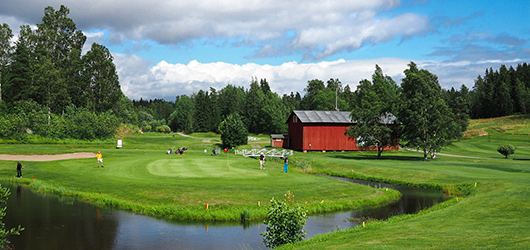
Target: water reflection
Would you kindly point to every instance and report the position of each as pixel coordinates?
(53, 222)
(47, 227)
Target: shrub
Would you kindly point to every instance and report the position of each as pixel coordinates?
(233, 131)
(163, 129)
(285, 221)
(147, 128)
(506, 150)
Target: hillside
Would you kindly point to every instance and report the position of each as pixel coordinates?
(513, 124)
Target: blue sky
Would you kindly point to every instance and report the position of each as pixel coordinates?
(167, 48)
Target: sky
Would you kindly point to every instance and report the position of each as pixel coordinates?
(167, 48)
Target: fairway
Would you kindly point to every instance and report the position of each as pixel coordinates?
(142, 178)
(200, 168)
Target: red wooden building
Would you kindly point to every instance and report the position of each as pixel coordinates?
(320, 130)
(279, 141)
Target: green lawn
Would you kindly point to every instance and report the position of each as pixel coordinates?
(141, 177)
(494, 215)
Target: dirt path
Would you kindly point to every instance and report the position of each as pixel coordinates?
(185, 135)
(461, 156)
(57, 157)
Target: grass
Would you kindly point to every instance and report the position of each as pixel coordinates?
(140, 177)
(513, 124)
(493, 215)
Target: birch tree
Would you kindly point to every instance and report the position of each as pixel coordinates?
(427, 122)
(374, 113)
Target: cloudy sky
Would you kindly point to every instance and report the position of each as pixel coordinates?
(167, 48)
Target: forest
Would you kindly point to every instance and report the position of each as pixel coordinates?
(48, 88)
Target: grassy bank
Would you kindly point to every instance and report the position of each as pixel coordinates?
(493, 215)
(140, 177)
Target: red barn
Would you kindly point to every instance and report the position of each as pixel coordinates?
(320, 130)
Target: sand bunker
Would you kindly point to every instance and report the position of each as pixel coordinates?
(57, 157)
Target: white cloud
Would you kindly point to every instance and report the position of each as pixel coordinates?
(164, 80)
(139, 79)
(321, 27)
(362, 29)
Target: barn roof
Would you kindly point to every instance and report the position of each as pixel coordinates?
(320, 116)
(278, 136)
(314, 116)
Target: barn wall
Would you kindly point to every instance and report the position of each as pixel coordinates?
(277, 143)
(327, 137)
(296, 131)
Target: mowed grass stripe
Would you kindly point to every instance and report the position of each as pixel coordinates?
(198, 168)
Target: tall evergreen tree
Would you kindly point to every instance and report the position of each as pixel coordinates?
(314, 87)
(5, 51)
(19, 78)
(264, 86)
(292, 101)
(101, 79)
(273, 114)
(254, 102)
(182, 118)
(502, 94)
(203, 112)
(231, 100)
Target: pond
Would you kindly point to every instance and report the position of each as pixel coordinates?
(54, 222)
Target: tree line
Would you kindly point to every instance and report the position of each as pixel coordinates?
(48, 88)
(260, 109)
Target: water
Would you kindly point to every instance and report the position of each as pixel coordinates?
(53, 222)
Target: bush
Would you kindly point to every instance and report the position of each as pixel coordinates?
(146, 127)
(506, 150)
(233, 131)
(75, 123)
(163, 129)
(285, 221)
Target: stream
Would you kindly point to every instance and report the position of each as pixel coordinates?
(53, 222)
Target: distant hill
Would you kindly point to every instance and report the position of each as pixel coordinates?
(513, 124)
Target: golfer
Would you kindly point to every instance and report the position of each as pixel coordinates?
(19, 170)
(261, 161)
(99, 156)
(285, 163)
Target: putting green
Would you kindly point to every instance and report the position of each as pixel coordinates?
(198, 168)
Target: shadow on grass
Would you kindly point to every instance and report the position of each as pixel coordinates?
(499, 168)
(374, 157)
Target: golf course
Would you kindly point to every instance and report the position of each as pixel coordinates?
(489, 205)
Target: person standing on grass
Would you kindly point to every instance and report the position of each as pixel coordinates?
(99, 156)
(261, 161)
(19, 170)
(285, 163)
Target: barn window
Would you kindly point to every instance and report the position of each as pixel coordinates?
(278, 139)
(295, 119)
